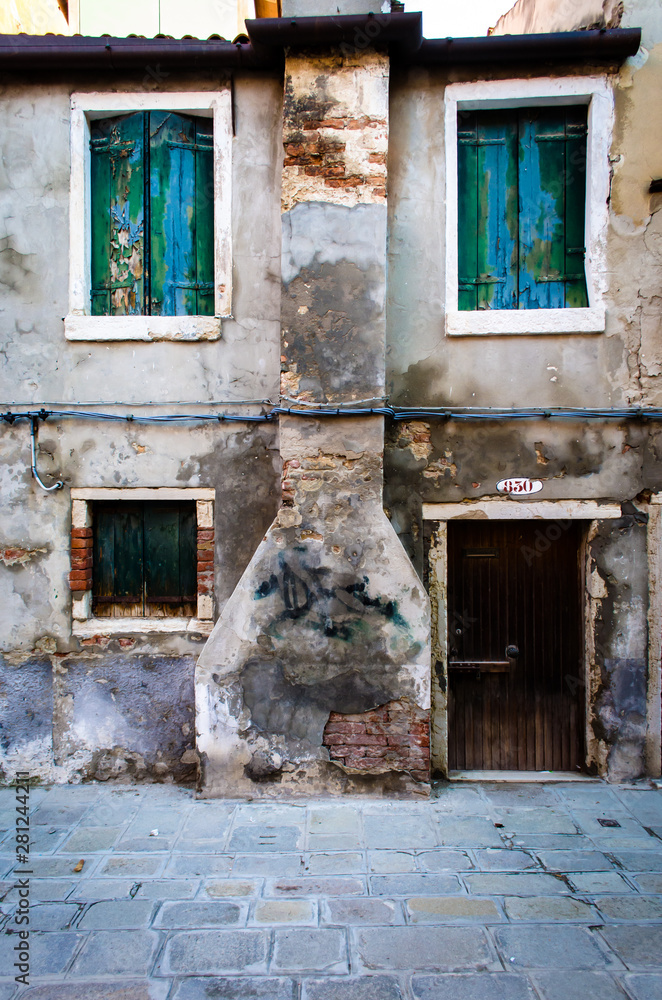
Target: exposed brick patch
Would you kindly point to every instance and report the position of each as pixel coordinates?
(288, 481)
(17, 556)
(205, 561)
(80, 577)
(393, 737)
(312, 153)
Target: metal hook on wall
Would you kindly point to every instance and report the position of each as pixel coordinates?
(33, 442)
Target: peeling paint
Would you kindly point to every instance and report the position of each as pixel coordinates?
(18, 556)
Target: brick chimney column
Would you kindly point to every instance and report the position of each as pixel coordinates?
(317, 675)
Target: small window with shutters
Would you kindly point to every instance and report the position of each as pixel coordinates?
(144, 559)
(521, 175)
(152, 222)
(150, 215)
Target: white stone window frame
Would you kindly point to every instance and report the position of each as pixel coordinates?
(592, 91)
(589, 511)
(84, 624)
(78, 323)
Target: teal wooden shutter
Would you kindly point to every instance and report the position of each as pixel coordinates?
(521, 203)
(487, 210)
(118, 212)
(118, 553)
(170, 553)
(576, 295)
(552, 167)
(182, 216)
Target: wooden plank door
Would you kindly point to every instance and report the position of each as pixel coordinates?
(516, 691)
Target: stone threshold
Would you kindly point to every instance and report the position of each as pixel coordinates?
(538, 777)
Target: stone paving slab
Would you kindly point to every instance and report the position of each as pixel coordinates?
(126, 914)
(200, 914)
(553, 947)
(500, 986)
(644, 987)
(485, 892)
(137, 990)
(361, 988)
(317, 950)
(424, 947)
(576, 985)
(199, 952)
(638, 946)
(117, 953)
(234, 988)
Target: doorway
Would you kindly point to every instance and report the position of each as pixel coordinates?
(516, 695)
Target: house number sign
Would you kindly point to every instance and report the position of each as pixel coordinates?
(519, 486)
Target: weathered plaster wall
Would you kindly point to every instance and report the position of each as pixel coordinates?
(134, 692)
(26, 716)
(618, 671)
(528, 16)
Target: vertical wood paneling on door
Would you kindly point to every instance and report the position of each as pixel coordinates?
(503, 590)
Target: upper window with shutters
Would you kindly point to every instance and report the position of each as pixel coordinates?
(150, 232)
(526, 206)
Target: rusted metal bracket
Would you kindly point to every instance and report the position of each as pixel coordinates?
(482, 666)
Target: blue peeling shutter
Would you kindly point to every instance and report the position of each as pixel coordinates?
(552, 197)
(182, 215)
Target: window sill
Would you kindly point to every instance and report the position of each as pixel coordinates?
(131, 626)
(494, 322)
(146, 328)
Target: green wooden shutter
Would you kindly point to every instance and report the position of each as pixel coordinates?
(118, 553)
(170, 553)
(552, 196)
(204, 216)
(118, 211)
(521, 203)
(182, 217)
(576, 294)
(487, 230)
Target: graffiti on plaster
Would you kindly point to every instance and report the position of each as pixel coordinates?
(333, 607)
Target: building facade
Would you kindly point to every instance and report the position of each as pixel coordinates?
(331, 420)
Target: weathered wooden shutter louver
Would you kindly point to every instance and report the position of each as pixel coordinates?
(182, 215)
(170, 554)
(162, 162)
(118, 211)
(521, 184)
(144, 558)
(487, 156)
(118, 557)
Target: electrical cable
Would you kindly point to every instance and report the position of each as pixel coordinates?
(344, 410)
(398, 414)
(33, 446)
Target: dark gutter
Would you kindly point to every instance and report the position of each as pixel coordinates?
(44, 53)
(399, 33)
(602, 45)
(402, 34)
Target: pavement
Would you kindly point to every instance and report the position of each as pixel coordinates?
(499, 891)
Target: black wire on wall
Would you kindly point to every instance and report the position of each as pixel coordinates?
(392, 412)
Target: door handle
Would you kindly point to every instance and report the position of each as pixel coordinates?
(512, 652)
